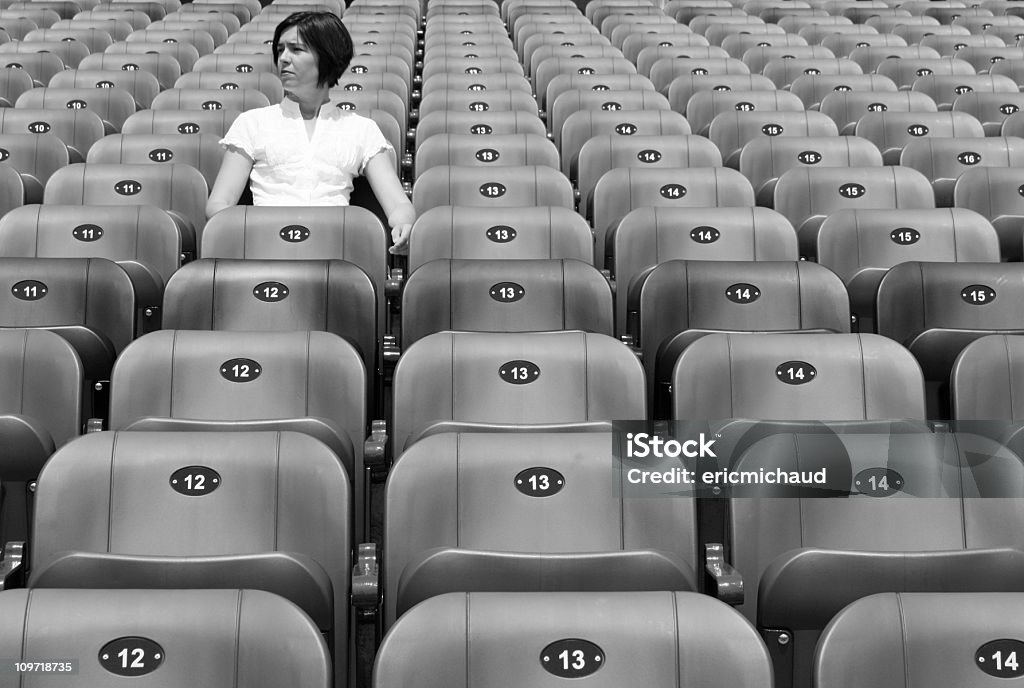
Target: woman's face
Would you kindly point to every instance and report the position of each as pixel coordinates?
(296, 63)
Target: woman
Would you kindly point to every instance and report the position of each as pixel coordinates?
(305, 151)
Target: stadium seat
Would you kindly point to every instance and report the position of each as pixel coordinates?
(806, 196)
(501, 382)
(737, 45)
(942, 160)
(574, 100)
(505, 296)
(870, 56)
(200, 151)
(892, 131)
(936, 309)
(478, 101)
(70, 52)
(13, 82)
(468, 150)
(178, 189)
(121, 509)
(995, 192)
(41, 66)
(731, 131)
(530, 233)
(784, 72)
(861, 245)
(766, 158)
(236, 648)
(185, 54)
(944, 89)
(677, 302)
(909, 635)
(200, 39)
(624, 189)
(991, 109)
(703, 107)
(685, 87)
(904, 71)
(478, 123)
(566, 530)
(36, 157)
(142, 86)
(267, 84)
(846, 108)
(463, 639)
(667, 69)
(211, 122)
(500, 187)
(757, 57)
(164, 67)
(812, 89)
(113, 105)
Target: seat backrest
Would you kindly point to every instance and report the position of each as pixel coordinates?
(797, 377)
(164, 67)
(861, 245)
(143, 86)
(239, 646)
(113, 105)
(943, 160)
(731, 131)
(192, 122)
(42, 381)
(187, 379)
(904, 71)
(581, 126)
(945, 88)
(276, 296)
(508, 381)
(995, 192)
(468, 150)
(499, 187)
(986, 380)
(264, 82)
(201, 151)
(682, 88)
(257, 498)
(892, 131)
(909, 638)
(812, 88)
(238, 100)
(186, 54)
(569, 521)
(846, 108)
(491, 638)
(505, 296)
(806, 196)
(991, 109)
(703, 107)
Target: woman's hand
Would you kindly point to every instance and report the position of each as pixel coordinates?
(400, 239)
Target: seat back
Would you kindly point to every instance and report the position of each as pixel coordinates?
(500, 187)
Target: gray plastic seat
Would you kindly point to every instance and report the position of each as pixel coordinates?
(190, 122)
(184, 53)
(469, 150)
(945, 89)
(784, 72)
(118, 510)
(142, 86)
(573, 100)
(500, 382)
(861, 245)
(936, 309)
(474, 233)
(984, 387)
(904, 71)
(238, 100)
(806, 196)
(499, 187)
(667, 69)
(36, 157)
(266, 83)
(479, 123)
(113, 105)
(991, 109)
(201, 151)
(240, 643)
(731, 131)
(625, 188)
(943, 160)
(757, 57)
(767, 158)
(276, 296)
(682, 88)
(892, 131)
(581, 126)
(703, 107)
(165, 68)
(487, 639)
(13, 82)
(677, 302)
(995, 192)
(572, 532)
(846, 108)
(811, 89)
(505, 296)
(910, 635)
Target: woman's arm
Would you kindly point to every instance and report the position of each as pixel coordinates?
(230, 183)
(380, 172)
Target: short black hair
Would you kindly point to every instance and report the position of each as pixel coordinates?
(326, 36)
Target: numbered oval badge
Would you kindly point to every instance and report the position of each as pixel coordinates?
(585, 71)
(1002, 658)
(472, 70)
(131, 656)
(905, 236)
(39, 127)
(924, 71)
(672, 191)
(477, 87)
(699, 71)
(705, 235)
(772, 129)
(87, 233)
(105, 84)
(212, 105)
(270, 292)
(161, 155)
(744, 106)
(978, 294)
(852, 190)
(487, 155)
(481, 129)
(4, 154)
(479, 106)
(1020, 190)
(812, 71)
(240, 370)
(743, 293)
(611, 106)
(842, 88)
(501, 234)
(649, 155)
(507, 292)
(625, 129)
(29, 290)
(810, 157)
(917, 130)
(962, 89)
(796, 372)
(188, 128)
(76, 104)
(539, 482)
(243, 68)
(346, 106)
(294, 234)
(1008, 108)
(600, 87)
(128, 187)
(195, 481)
(519, 372)
(129, 67)
(492, 190)
(229, 86)
(878, 482)
(353, 87)
(969, 158)
(572, 658)
(721, 88)
(877, 107)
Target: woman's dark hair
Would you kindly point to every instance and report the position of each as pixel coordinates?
(326, 36)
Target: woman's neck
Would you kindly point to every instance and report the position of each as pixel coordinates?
(310, 103)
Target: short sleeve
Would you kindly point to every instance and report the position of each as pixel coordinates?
(373, 143)
(241, 135)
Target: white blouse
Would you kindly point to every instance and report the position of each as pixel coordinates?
(289, 167)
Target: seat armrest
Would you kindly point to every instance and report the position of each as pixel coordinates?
(12, 565)
(366, 580)
(375, 456)
(726, 582)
